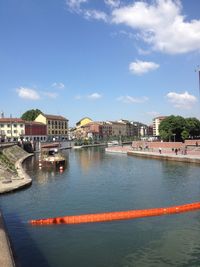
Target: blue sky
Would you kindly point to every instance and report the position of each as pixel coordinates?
(104, 59)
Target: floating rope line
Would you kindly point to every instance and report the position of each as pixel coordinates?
(117, 215)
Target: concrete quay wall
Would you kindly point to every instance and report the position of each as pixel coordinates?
(10, 181)
(6, 256)
(180, 158)
(22, 180)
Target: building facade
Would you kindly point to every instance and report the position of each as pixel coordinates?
(118, 128)
(57, 126)
(83, 122)
(35, 131)
(111, 129)
(156, 123)
(11, 129)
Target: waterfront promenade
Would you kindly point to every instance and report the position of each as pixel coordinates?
(192, 156)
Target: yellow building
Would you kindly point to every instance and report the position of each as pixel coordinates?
(57, 126)
(83, 122)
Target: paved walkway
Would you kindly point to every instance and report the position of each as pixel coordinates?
(191, 157)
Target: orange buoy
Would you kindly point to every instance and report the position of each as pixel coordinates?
(116, 215)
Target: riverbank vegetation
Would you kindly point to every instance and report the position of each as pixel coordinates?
(177, 128)
(6, 164)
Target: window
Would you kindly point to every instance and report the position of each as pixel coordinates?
(9, 131)
(2, 125)
(8, 125)
(21, 125)
(15, 131)
(15, 125)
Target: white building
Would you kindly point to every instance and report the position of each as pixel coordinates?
(11, 129)
(156, 123)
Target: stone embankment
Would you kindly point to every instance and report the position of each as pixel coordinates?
(12, 174)
(166, 156)
(6, 256)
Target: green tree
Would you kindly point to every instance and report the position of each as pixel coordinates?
(31, 114)
(172, 126)
(185, 134)
(193, 127)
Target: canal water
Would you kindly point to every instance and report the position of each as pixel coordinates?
(94, 181)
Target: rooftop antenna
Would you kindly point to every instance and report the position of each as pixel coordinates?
(2, 114)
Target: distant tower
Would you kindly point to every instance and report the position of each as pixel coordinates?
(2, 114)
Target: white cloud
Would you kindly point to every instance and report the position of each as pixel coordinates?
(94, 96)
(161, 25)
(140, 67)
(182, 101)
(58, 85)
(131, 100)
(75, 5)
(95, 14)
(28, 93)
(123, 33)
(112, 3)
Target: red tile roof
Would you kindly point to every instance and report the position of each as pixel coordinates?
(54, 117)
(13, 120)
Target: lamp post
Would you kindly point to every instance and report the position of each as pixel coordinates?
(11, 135)
(174, 136)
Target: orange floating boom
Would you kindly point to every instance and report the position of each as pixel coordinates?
(118, 215)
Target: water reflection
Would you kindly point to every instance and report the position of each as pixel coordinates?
(88, 158)
(45, 174)
(94, 181)
(175, 169)
(179, 247)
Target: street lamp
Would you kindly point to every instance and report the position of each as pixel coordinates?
(11, 135)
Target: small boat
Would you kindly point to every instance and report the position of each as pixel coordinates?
(50, 156)
(113, 143)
